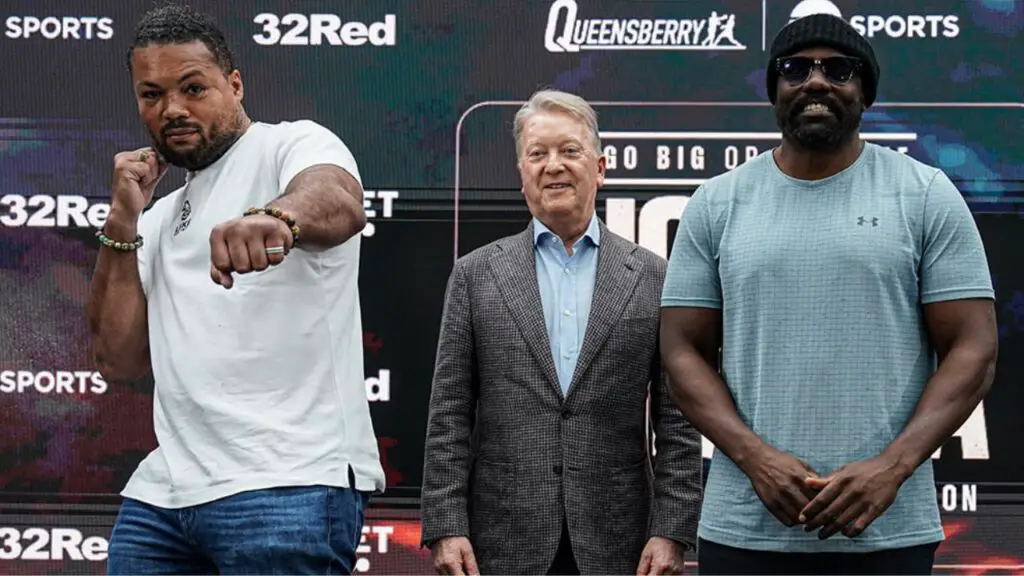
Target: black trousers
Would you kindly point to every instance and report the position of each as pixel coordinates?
(715, 558)
(565, 561)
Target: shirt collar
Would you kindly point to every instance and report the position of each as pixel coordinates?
(593, 232)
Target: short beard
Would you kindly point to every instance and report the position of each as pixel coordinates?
(207, 151)
(827, 135)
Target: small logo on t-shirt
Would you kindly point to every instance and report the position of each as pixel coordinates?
(864, 221)
(186, 218)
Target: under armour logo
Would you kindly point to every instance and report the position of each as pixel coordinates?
(862, 221)
(186, 212)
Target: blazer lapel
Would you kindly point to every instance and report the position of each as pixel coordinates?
(617, 275)
(515, 270)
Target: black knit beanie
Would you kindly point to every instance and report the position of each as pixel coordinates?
(824, 30)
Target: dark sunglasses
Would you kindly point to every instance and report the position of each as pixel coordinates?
(837, 69)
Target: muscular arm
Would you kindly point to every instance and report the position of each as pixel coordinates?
(448, 458)
(678, 466)
(690, 338)
(116, 309)
(965, 337)
(326, 203)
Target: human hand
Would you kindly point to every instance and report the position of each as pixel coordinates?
(250, 243)
(454, 555)
(779, 480)
(850, 499)
(136, 174)
(661, 556)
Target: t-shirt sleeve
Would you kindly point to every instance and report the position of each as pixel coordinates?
(148, 227)
(953, 261)
(692, 275)
(308, 144)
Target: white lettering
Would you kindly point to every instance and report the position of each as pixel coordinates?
(56, 382)
(42, 211)
(387, 198)
(51, 544)
(629, 158)
(973, 436)
(291, 30)
(65, 27)
(378, 388)
(909, 26)
(620, 217)
(962, 499)
(653, 220)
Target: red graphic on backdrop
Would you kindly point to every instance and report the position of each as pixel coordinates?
(393, 476)
(372, 342)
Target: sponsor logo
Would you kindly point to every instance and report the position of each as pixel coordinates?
(62, 27)
(44, 211)
(320, 29)
(378, 388)
(891, 26)
(386, 199)
(185, 219)
(55, 382)
(50, 544)
(714, 31)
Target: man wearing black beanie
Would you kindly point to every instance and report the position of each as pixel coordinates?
(848, 289)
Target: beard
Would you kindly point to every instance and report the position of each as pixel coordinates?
(819, 133)
(207, 150)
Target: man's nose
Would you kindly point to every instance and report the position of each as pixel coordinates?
(175, 109)
(817, 81)
(554, 163)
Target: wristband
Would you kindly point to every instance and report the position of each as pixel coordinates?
(281, 215)
(119, 246)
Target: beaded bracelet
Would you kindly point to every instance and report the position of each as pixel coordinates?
(276, 212)
(120, 246)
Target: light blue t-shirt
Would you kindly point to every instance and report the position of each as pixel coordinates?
(825, 350)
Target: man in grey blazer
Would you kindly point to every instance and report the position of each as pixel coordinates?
(538, 455)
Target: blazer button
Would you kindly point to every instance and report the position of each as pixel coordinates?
(558, 469)
(566, 413)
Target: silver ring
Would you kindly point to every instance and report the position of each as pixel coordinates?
(275, 249)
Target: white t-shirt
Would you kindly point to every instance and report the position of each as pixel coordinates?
(262, 385)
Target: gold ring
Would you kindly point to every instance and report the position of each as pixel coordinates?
(275, 250)
(143, 156)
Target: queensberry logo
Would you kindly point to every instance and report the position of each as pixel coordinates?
(566, 32)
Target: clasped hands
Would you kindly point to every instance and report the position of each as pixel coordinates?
(846, 501)
(247, 244)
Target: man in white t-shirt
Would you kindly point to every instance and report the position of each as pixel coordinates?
(239, 291)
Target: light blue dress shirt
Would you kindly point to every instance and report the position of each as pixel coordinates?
(566, 286)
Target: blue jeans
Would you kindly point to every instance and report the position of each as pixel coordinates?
(300, 530)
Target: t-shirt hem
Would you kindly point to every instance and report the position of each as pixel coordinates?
(957, 294)
(837, 543)
(670, 301)
(158, 495)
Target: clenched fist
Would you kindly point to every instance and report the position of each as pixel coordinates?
(247, 244)
(136, 175)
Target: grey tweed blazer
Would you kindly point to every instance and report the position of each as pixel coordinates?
(508, 457)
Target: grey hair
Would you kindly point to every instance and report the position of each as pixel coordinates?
(557, 101)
